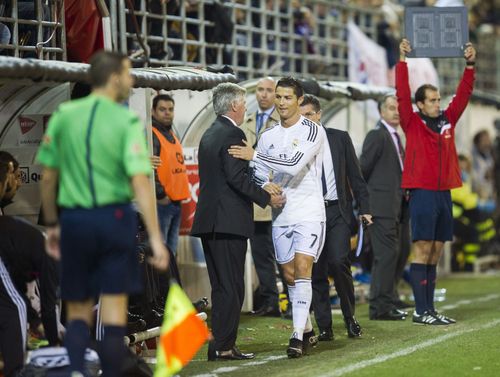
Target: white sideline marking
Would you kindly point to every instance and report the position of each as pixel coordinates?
(407, 351)
(379, 359)
(264, 360)
(468, 302)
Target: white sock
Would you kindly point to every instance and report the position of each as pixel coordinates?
(301, 304)
(291, 294)
(309, 325)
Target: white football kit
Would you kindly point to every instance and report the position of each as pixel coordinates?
(293, 158)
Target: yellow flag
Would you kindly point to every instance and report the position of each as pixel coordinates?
(182, 333)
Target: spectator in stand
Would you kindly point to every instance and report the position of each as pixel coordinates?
(483, 165)
(430, 172)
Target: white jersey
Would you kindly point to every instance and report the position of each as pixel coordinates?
(293, 158)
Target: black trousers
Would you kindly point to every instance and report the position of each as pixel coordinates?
(225, 256)
(384, 236)
(404, 247)
(263, 258)
(334, 258)
(13, 320)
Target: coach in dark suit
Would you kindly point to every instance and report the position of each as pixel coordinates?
(224, 217)
(341, 173)
(381, 163)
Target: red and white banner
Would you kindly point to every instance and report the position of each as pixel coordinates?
(421, 71)
(189, 205)
(367, 60)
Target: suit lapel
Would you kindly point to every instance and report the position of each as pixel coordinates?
(389, 139)
(334, 151)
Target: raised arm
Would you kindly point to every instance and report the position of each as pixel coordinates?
(403, 92)
(464, 90)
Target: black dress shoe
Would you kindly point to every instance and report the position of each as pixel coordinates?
(325, 334)
(232, 354)
(353, 327)
(393, 315)
(267, 311)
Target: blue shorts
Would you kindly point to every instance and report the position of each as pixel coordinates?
(431, 216)
(98, 252)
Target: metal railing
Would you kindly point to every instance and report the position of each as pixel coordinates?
(33, 29)
(487, 69)
(268, 37)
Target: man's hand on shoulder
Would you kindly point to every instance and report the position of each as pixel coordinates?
(243, 152)
(470, 55)
(404, 49)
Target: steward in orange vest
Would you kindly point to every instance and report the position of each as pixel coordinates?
(171, 177)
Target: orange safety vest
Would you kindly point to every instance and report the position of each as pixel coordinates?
(172, 172)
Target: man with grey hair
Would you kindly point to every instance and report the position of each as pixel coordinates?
(224, 217)
(381, 163)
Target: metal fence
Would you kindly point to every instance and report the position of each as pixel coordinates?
(33, 29)
(254, 37)
(487, 84)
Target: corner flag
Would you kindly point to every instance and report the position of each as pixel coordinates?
(182, 333)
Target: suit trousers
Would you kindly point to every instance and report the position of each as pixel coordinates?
(263, 258)
(225, 256)
(334, 258)
(404, 247)
(385, 247)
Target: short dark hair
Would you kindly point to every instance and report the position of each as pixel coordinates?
(309, 99)
(4, 171)
(420, 93)
(381, 102)
(102, 65)
(6, 157)
(290, 82)
(162, 97)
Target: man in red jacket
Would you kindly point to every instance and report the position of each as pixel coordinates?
(430, 172)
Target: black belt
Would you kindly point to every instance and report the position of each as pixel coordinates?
(329, 203)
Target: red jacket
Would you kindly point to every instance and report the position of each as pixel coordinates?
(431, 158)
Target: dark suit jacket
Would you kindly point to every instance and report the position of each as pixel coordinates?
(382, 171)
(226, 191)
(347, 173)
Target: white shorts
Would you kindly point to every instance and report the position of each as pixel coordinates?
(305, 238)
